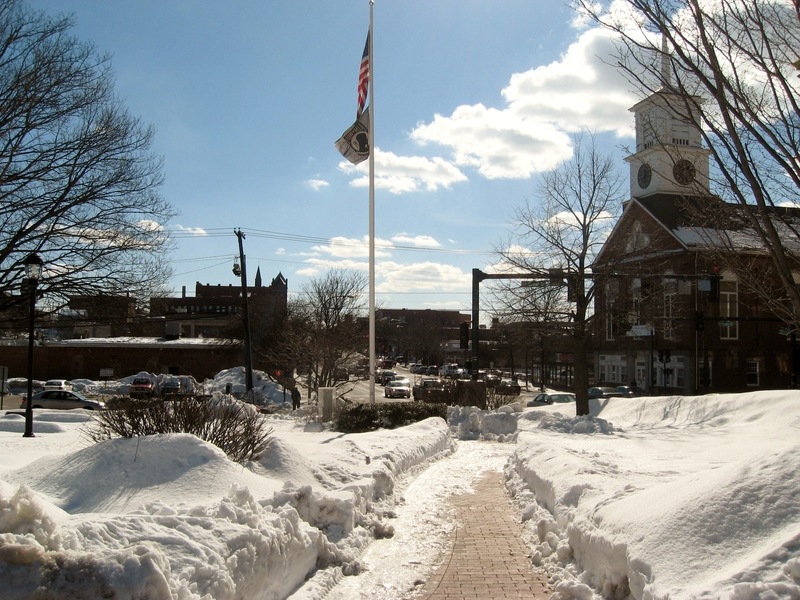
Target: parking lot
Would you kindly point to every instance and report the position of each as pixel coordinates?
(360, 391)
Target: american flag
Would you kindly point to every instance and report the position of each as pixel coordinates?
(363, 79)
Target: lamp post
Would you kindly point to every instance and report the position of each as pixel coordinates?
(33, 270)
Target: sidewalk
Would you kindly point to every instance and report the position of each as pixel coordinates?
(488, 559)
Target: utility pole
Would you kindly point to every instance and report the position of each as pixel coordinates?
(248, 360)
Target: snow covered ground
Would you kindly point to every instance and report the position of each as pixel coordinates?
(669, 497)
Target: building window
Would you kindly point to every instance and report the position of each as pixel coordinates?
(728, 310)
(613, 369)
(670, 291)
(636, 291)
(752, 372)
(611, 290)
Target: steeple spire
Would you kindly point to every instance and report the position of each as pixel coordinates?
(666, 79)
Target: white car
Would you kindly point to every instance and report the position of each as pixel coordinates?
(398, 388)
(452, 371)
(57, 384)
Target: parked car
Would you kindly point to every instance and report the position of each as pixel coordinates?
(431, 390)
(629, 391)
(141, 387)
(57, 384)
(510, 387)
(492, 379)
(548, 398)
(431, 370)
(171, 388)
(604, 392)
(398, 388)
(63, 399)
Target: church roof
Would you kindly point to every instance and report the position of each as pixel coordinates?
(708, 221)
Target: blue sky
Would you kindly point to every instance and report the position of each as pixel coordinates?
(473, 99)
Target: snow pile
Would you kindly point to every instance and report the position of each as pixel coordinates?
(569, 424)
(647, 498)
(170, 516)
(472, 423)
(681, 498)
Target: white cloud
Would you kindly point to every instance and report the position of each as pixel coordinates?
(497, 142)
(544, 106)
(406, 174)
(423, 276)
(420, 241)
(344, 248)
(530, 134)
(582, 90)
(316, 184)
(198, 231)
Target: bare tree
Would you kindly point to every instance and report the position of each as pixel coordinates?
(78, 183)
(326, 334)
(579, 202)
(728, 67)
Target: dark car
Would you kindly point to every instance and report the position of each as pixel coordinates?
(629, 391)
(548, 398)
(509, 387)
(604, 392)
(492, 379)
(63, 399)
(171, 388)
(384, 377)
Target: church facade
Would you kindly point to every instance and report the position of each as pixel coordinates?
(670, 316)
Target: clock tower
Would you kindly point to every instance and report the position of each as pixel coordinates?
(669, 158)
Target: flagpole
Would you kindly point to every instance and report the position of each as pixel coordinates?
(372, 356)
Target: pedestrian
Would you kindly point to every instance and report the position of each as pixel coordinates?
(295, 398)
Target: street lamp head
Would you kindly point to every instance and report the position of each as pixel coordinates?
(33, 266)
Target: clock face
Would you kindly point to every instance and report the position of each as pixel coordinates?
(644, 175)
(684, 172)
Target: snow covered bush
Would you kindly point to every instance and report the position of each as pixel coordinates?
(235, 427)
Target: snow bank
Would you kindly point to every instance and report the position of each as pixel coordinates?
(170, 516)
(669, 501)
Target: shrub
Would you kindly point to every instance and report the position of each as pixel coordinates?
(235, 427)
(357, 418)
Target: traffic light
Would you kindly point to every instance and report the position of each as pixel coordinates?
(700, 320)
(464, 335)
(667, 356)
(660, 356)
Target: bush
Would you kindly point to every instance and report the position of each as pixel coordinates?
(235, 427)
(357, 418)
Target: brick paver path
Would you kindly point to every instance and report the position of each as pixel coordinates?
(488, 559)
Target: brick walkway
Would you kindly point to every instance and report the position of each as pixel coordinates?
(488, 559)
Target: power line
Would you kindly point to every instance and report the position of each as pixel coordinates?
(307, 239)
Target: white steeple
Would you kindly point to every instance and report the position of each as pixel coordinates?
(669, 156)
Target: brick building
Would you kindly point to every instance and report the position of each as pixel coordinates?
(215, 310)
(670, 314)
(199, 335)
